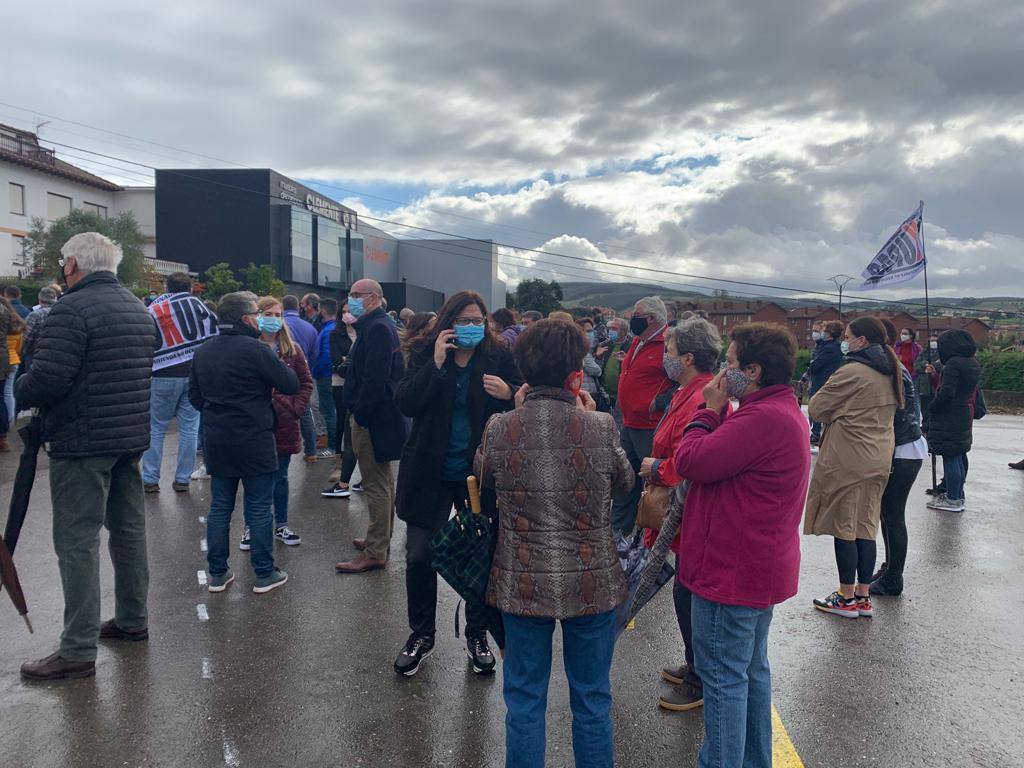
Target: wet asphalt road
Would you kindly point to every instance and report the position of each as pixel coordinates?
(302, 676)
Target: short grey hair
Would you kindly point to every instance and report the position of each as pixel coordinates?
(93, 252)
(234, 306)
(47, 296)
(652, 305)
(619, 323)
(700, 338)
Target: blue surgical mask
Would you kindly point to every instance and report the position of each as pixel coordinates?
(613, 336)
(466, 335)
(844, 345)
(590, 338)
(356, 308)
(269, 324)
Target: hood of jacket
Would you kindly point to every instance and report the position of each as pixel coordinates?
(874, 356)
(956, 343)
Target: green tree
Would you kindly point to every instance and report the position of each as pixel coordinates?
(220, 279)
(43, 244)
(262, 281)
(537, 294)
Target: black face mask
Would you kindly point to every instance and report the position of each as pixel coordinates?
(247, 330)
(638, 325)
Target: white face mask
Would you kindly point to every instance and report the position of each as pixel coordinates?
(905, 337)
(933, 344)
(816, 335)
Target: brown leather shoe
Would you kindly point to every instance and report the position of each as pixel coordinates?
(676, 675)
(360, 564)
(151, 487)
(110, 631)
(5, 447)
(180, 487)
(359, 544)
(53, 667)
(682, 698)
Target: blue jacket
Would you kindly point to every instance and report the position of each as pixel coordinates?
(304, 334)
(825, 360)
(322, 367)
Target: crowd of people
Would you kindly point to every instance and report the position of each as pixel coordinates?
(579, 428)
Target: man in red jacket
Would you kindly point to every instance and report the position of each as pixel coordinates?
(641, 383)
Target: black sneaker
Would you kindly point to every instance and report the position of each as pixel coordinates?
(887, 586)
(417, 648)
(245, 544)
(287, 535)
(879, 573)
(357, 487)
(480, 654)
(938, 490)
(336, 491)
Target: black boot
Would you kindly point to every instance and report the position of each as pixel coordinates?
(888, 585)
(879, 573)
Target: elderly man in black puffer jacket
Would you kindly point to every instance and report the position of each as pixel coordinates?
(90, 377)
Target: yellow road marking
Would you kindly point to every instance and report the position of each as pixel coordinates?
(783, 752)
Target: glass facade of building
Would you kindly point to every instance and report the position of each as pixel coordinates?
(302, 246)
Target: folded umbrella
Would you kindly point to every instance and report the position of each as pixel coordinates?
(463, 552)
(32, 438)
(9, 579)
(646, 569)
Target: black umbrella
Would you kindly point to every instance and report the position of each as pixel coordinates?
(32, 438)
(646, 569)
(463, 551)
(9, 579)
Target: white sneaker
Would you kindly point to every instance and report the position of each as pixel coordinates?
(200, 473)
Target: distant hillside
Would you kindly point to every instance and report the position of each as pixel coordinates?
(622, 296)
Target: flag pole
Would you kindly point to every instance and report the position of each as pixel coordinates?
(928, 330)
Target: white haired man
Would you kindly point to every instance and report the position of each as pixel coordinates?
(642, 382)
(90, 376)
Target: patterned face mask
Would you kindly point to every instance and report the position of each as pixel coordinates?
(673, 367)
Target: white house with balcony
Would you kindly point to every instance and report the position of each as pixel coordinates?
(34, 182)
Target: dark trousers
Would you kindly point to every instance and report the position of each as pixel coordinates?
(682, 600)
(637, 445)
(89, 494)
(257, 495)
(343, 435)
(855, 560)
(894, 514)
(284, 460)
(420, 576)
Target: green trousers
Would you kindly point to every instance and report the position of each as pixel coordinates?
(89, 494)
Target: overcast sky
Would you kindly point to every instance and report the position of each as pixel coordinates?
(776, 141)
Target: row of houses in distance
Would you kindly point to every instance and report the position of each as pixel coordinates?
(728, 313)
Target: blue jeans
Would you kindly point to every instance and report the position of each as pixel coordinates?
(327, 409)
(281, 490)
(12, 413)
(257, 493)
(588, 644)
(956, 473)
(168, 398)
(731, 653)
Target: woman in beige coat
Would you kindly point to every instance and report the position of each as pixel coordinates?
(856, 406)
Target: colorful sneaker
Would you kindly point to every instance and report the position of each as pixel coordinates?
(864, 606)
(837, 605)
(287, 535)
(945, 504)
(246, 543)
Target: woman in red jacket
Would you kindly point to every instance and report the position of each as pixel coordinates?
(287, 408)
(740, 541)
(691, 354)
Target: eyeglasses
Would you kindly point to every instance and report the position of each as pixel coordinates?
(464, 321)
(360, 294)
(61, 262)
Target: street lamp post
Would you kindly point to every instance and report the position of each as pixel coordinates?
(840, 283)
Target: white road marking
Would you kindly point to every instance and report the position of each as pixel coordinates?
(202, 544)
(202, 520)
(202, 612)
(201, 578)
(231, 754)
(207, 670)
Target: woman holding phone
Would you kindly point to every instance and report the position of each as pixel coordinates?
(459, 375)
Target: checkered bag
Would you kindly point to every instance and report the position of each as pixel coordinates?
(463, 551)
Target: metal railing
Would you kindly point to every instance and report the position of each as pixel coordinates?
(27, 149)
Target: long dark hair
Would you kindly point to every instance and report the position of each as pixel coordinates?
(871, 328)
(17, 325)
(422, 343)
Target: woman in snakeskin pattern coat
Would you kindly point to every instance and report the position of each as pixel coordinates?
(555, 464)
